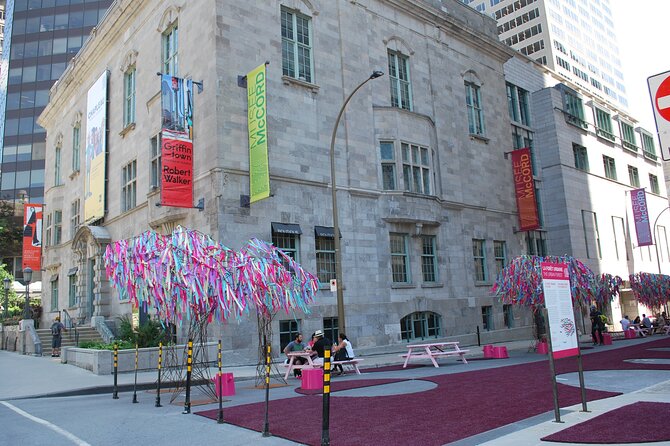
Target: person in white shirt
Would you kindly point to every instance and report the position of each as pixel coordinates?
(625, 323)
(343, 351)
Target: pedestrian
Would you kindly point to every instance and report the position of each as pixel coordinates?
(57, 329)
(343, 351)
(596, 326)
(296, 345)
(646, 322)
(625, 323)
(320, 346)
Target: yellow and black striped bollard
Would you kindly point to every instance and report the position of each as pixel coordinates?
(268, 361)
(325, 427)
(115, 394)
(189, 368)
(158, 385)
(219, 385)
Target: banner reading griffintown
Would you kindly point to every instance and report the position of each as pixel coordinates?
(259, 170)
(524, 186)
(32, 236)
(641, 217)
(176, 170)
(96, 147)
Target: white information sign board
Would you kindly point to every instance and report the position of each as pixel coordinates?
(558, 300)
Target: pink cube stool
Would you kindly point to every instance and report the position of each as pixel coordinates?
(542, 348)
(224, 384)
(312, 379)
(488, 351)
(629, 334)
(500, 352)
(607, 339)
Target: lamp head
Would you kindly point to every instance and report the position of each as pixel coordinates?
(375, 74)
(28, 274)
(6, 282)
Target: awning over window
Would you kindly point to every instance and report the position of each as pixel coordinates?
(286, 228)
(324, 231)
(54, 278)
(73, 271)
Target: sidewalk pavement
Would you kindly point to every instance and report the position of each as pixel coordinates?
(28, 377)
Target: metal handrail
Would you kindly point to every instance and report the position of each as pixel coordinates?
(71, 326)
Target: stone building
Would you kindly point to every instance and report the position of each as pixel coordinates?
(425, 197)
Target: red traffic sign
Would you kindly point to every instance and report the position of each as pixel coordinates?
(659, 91)
(662, 99)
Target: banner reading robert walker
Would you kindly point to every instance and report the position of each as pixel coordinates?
(259, 170)
(524, 186)
(177, 105)
(176, 170)
(641, 217)
(32, 236)
(96, 147)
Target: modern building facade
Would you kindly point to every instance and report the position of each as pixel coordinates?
(423, 236)
(41, 38)
(575, 38)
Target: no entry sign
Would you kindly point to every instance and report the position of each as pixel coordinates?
(659, 91)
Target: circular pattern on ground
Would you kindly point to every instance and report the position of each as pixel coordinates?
(660, 349)
(617, 380)
(399, 388)
(657, 361)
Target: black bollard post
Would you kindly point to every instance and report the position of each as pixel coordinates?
(189, 366)
(266, 425)
(479, 341)
(219, 386)
(115, 393)
(325, 426)
(135, 384)
(158, 385)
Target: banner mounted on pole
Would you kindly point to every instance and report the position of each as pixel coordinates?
(558, 300)
(259, 169)
(32, 236)
(524, 187)
(641, 217)
(96, 148)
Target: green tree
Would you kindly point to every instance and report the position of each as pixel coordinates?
(13, 298)
(11, 230)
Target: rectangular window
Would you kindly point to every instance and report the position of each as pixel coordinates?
(581, 157)
(633, 176)
(487, 317)
(288, 329)
(473, 102)
(387, 154)
(74, 217)
(156, 161)
(399, 258)
(170, 51)
(331, 328)
(574, 110)
(129, 97)
(428, 258)
(537, 245)
(619, 230)
(72, 290)
(518, 104)
(508, 315)
(648, 147)
(591, 236)
(58, 227)
(401, 91)
(416, 168)
(57, 164)
(76, 148)
(628, 137)
(49, 230)
(500, 254)
(325, 258)
(54, 293)
(479, 258)
(653, 184)
(296, 45)
(288, 243)
(604, 124)
(129, 188)
(610, 167)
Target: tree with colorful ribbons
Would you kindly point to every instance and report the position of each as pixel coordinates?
(651, 290)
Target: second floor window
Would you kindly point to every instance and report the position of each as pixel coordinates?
(129, 188)
(653, 184)
(479, 258)
(473, 101)
(416, 168)
(518, 104)
(170, 51)
(610, 167)
(58, 227)
(633, 176)
(57, 166)
(581, 157)
(648, 147)
(604, 124)
(156, 152)
(296, 45)
(574, 110)
(387, 154)
(75, 210)
(401, 92)
(500, 253)
(129, 97)
(428, 258)
(628, 137)
(76, 146)
(325, 255)
(399, 258)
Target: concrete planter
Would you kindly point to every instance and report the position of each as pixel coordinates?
(101, 362)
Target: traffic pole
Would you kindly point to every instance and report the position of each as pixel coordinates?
(189, 366)
(115, 393)
(219, 385)
(158, 385)
(266, 425)
(135, 384)
(325, 427)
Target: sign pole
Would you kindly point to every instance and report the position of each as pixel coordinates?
(552, 368)
(581, 379)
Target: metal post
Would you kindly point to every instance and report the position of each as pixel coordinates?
(658, 258)
(336, 226)
(158, 386)
(266, 425)
(6, 282)
(27, 277)
(479, 339)
(189, 364)
(135, 384)
(581, 377)
(552, 368)
(115, 394)
(219, 386)
(325, 424)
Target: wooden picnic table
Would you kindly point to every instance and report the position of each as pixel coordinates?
(640, 330)
(306, 354)
(432, 351)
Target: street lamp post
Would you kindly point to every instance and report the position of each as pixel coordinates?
(658, 258)
(6, 282)
(27, 277)
(336, 227)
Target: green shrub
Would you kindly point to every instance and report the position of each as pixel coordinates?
(148, 334)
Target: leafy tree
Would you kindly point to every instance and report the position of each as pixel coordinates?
(11, 230)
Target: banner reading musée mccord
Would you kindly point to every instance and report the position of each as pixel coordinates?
(96, 146)
(259, 171)
(641, 217)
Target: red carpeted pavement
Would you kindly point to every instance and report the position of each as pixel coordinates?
(462, 404)
(338, 386)
(642, 422)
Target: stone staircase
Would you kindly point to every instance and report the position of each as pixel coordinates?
(86, 333)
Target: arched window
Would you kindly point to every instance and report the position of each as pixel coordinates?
(420, 325)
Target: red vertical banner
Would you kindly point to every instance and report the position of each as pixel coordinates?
(32, 236)
(525, 190)
(176, 171)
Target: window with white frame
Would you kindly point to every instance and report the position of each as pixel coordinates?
(76, 147)
(58, 227)
(479, 259)
(420, 325)
(591, 235)
(129, 97)
(648, 146)
(518, 101)
(603, 124)
(610, 167)
(72, 290)
(633, 176)
(325, 258)
(473, 102)
(49, 229)
(653, 184)
(156, 161)
(57, 167)
(500, 254)
(387, 155)
(129, 186)
(75, 209)
(574, 109)
(54, 293)
(628, 140)
(416, 168)
(399, 258)
(286, 238)
(581, 157)
(170, 51)
(428, 258)
(296, 49)
(401, 89)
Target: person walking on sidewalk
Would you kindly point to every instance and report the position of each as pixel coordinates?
(596, 326)
(57, 329)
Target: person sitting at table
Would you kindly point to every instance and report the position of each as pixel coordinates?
(295, 345)
(646, 322)
(320, 346)
(312, 340)
(636, 321)
(625, 323)
(343, 351)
